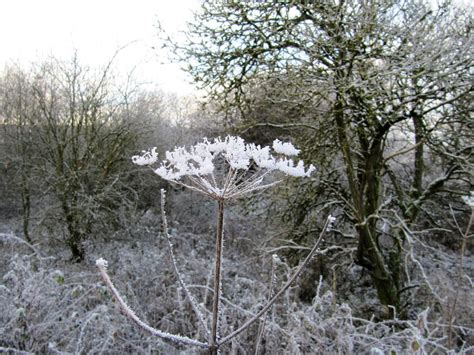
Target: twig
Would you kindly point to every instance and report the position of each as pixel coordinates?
(22, 241)
(464, 237)
(14, 351)
(279, 293)
(102, 264)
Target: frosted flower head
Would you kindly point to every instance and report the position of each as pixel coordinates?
(196, 166)
(285, 148)
(101, 263)
(147, 157)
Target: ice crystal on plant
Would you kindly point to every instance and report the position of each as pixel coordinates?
(331, 221)
(285, 148)
(101, 262)
(197, 165)
(147, 158)
(288, 167)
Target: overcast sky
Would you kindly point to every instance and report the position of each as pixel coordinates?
(33, 29)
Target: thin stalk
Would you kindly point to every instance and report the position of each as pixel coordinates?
(270, 294)
(134, 318)
(279, 293)
(217, 278)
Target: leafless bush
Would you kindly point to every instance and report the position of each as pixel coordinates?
(49, 306)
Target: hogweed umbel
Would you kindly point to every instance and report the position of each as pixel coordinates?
(221, 169)
(202, 166)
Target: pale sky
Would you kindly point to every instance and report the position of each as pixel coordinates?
(33, 29)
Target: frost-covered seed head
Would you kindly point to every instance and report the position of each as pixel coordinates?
(276, 259)
(147, 157)
(101, 263)
(197, 164)
(285, 148)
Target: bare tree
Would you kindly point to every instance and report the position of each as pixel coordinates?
(75, 134)
(19, 153)
(366, 86)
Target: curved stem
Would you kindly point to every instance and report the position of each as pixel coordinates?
(279, 293)
(133, 317)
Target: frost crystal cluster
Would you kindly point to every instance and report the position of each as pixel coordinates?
(147, 158)
(196, 167)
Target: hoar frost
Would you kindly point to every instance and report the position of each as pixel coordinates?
(198, 165)
(469, 199)
(147, 158)
(222, 169)
(101, 263)
(285, 148)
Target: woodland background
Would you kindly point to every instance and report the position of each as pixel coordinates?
(377, 94)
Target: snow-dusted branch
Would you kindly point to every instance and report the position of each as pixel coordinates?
(13, 237)
(102, 265)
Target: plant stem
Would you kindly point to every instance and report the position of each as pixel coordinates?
(279, 293)
(134, 318)
(217, 277)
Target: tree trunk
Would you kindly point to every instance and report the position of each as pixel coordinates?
(74, 239)
(26, 207)
(384, 279)
(365, 192)
(419, 165)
